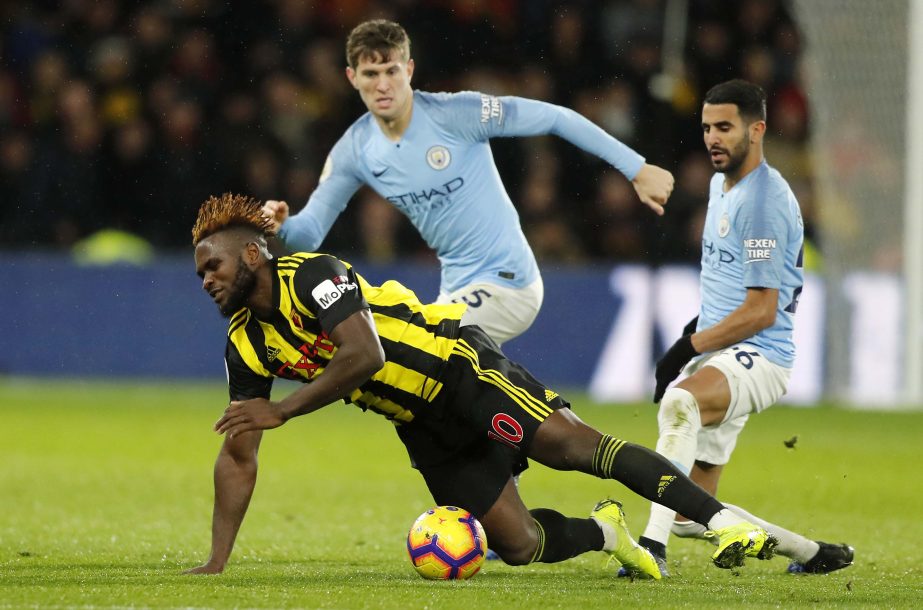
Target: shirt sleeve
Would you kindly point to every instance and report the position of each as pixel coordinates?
(339, 181)
(329, 289)
(480, 116)
(243, 382)
(765, 234)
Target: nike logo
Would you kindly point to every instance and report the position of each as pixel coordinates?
(379, 174)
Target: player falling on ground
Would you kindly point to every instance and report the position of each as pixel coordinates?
(741, 342)
(466, 414)
(429, 155)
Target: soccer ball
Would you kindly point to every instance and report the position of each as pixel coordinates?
(446, 543)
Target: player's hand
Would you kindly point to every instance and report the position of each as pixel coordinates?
(247, 415)
(205, 568)
(276, 212)
(654, 186)
(672, 362)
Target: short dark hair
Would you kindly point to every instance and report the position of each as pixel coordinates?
(376, 39)
(749, 98)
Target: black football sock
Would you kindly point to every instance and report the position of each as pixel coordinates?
(561, 537)
(652, 476)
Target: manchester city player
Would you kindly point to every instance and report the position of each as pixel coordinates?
(740, 344)
(429, 155)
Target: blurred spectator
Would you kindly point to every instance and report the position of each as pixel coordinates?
(127, 115)
(618, 227)
(543, 211)
(676, 243)
(66, 189)
(17, 214)
(131, 184)
(50, 72)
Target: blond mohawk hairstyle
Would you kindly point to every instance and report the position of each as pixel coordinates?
(227, 211)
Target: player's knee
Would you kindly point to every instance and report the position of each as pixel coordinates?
(517, 557)
(678, 409)
(518, 551)
(564, 442)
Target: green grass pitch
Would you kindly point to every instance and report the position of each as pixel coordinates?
(106, 492)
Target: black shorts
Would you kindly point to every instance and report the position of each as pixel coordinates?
(479, 430)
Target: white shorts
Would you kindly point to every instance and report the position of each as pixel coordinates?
(502, 312)
(756, 384)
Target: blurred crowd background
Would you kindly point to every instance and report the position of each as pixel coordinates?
(126, 115)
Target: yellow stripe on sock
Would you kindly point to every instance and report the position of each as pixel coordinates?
(540, 548)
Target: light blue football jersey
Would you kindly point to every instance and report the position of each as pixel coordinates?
(753, 237)
(441, 174)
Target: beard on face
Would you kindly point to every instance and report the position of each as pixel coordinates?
(239, 292)
(735, 157)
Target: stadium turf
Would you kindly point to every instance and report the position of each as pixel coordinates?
(106, 491)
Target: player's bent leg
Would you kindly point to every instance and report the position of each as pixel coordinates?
(562, 537)
(564, 442)
(510, 529)
(554, 537)
(520, 536)
(651, 476)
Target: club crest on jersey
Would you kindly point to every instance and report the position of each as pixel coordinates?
(724, 226)
(296, 320)
(438, 157)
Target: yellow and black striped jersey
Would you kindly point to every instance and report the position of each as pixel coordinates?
(312, 293)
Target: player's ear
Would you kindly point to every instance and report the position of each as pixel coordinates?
(351, 75)
(757, 131)
(410, 69)
(252, 253)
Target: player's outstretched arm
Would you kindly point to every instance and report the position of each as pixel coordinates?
(235, 478)
(277, 212)
(359, 355)
(654, 186)
(531, 117)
